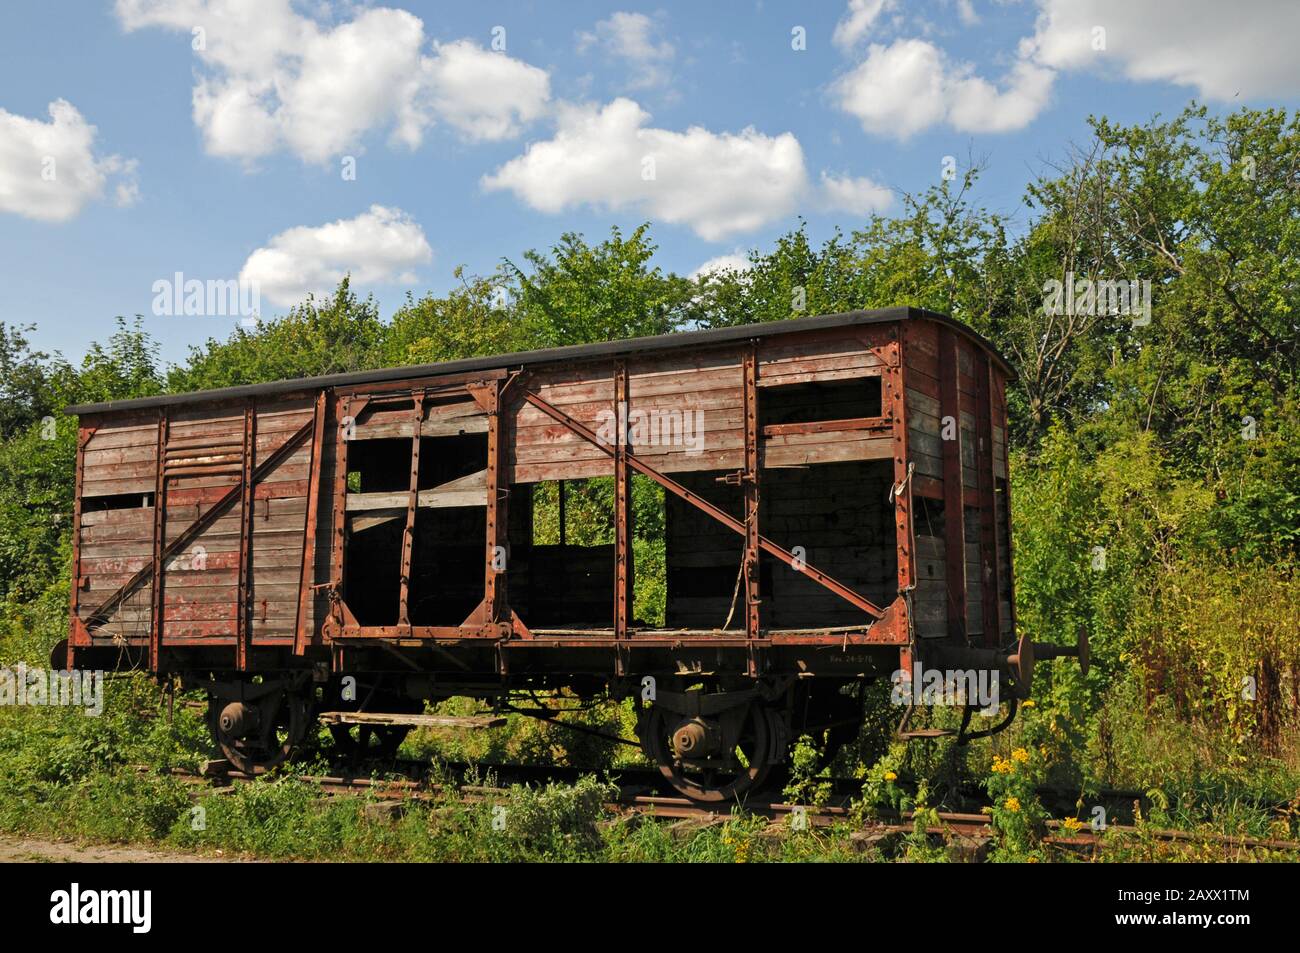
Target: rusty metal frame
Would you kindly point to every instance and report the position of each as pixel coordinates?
(488, 617)
(893, 396)
(303, 627)
(954, 510)
(206, 519)
(750, 491)
(412, 504)
(345, 408)
(342, 412)
(623, 583)
(893, 403)
(243, 613)
(491, 397)
(159, 539)
(695, 500)
(1000, 389)
(987, 506)
(77, 635)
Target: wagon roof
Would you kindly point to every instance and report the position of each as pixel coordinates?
(602, 349)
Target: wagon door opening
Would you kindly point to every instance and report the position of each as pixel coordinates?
(416, 513)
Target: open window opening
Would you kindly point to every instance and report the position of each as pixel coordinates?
(703, 558)
(819, 401)
(561, 572)
(373, 555)
(117, 501)
(373, 566)
(449, 554)
(447, 564)
(649, 553)
(448, 546)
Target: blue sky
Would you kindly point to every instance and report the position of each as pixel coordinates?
(228, 160)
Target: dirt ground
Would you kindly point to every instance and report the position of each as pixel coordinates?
(19, 850)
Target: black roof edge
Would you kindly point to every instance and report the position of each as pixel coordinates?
(602, 349)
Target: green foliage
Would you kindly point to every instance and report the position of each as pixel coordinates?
(26, 392)
(809, 782)
(882, 786)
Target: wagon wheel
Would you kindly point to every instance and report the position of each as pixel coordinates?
(267, 748)
(714, 779)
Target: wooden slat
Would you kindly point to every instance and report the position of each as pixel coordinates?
(468, 490)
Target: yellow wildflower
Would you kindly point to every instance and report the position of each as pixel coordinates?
(1027, 703)
(890, 776)
(1072, 824)
(1021, 755)
(1012, 804)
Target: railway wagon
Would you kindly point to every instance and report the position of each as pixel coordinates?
(834, 509)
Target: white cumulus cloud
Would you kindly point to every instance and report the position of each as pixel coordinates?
(718, 184)
(271, 78)
(379, 246)
(1221, 49)
(911, 85)
(485, 95)
(49, 170)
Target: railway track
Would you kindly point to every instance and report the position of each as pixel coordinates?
(637, 795)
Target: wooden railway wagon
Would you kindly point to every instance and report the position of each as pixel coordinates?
(835, 509)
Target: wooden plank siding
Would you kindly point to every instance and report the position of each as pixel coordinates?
(200, 594)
